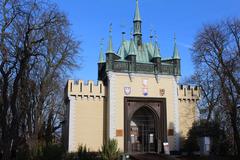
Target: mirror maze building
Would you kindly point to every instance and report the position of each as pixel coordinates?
(137, 100)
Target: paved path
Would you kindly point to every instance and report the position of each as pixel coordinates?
(150, 156)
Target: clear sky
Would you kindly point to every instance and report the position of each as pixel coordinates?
(90, 21)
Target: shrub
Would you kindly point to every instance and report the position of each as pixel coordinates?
(83, 153)
(219, 142)
(70, 156)
(110, 150)
(53, 151)
(191, 144)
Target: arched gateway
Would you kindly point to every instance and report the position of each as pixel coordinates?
(137, 100)
(145, 124)
(143, 132)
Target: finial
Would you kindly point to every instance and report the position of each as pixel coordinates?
(156, 48)
(101, 43)
(151, 36)
(155, 36)
(123, 32)
(123, 36)
(110, 28)
(131, 33)
(174, 37)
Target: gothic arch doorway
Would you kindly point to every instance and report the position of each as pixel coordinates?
(143, 130)
(145, 124)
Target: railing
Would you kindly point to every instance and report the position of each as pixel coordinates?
(166, 69)
(144, 68)
(148, 68)
(120, 66)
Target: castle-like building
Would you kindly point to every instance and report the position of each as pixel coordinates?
(137, 100)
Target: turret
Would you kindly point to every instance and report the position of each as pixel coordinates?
(132, 56)
(176, 59)
(156, 56)
(110, 54)
(137, 26)
(101, 63)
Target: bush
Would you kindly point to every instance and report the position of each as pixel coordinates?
(110, 150)
(191, 144)
(83, 153)
(53, 151)
(70, 156)
(219, 143)
(40, 152)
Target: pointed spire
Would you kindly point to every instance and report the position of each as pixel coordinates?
(101, 57)
(132, 47)
(156, 48)
(137, 13)
(121, 50)
(175, 50)
(110, 47)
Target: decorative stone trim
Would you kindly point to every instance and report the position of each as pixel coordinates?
(111, 105)
(176, 113)
(72, 125)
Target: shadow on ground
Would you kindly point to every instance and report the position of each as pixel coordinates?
(154, 156)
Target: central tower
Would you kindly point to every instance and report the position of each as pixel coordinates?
(137, 26)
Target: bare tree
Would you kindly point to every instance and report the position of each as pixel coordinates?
(37, 50)
(216, 52)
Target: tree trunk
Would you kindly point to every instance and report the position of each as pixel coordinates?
(236, 133)
(6, 148)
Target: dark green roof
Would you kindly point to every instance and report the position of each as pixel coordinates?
(144, 54)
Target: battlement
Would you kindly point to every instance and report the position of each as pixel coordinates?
(188, 92)
(81, 89)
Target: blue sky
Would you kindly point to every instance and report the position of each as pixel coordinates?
(90, 21)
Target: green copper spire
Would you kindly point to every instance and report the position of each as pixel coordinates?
(137, 13)
(132, 48)
(175, 50)
(156, 49)
(110, 47)
(101, 57)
